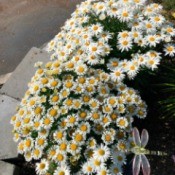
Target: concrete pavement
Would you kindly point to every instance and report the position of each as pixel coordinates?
(28, 23)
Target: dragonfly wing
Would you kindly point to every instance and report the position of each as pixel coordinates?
(145, 165)
(173, 157)
(144, 138)
(136, 165)
(136, 137)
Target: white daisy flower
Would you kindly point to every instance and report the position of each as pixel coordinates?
(125, 14)
(107, 109)
(107, 138)
(124, 44)
(62, 170)
(117, 74)
(59, 135)
(152, 40)
(38, 64)
(95, 116)
(88, 168)
(95, 49)
(113, 63)
(97, 164)
(152, 63)
(106, 120)
(103, 90)
(158, 20)
(139, 3)
(94, 104)
(96, 29)
(28, 156)
(54, 83)
(42, 167)
(149, 26)
(81, 68)
(93, 59)
(169, 30)
(70, 65)
(60, 157)
(41, 142)
(73, 148)
(47, 122)
(101, 153)
(132, 69)
(122, 122)
(119, 158)
(103, 171)
(84, 127)
(37, 153)
(28, 144)
(122, 145)
(101, 7)
(116, 169)
(111, 101)
(169, 50)
(124, 35)
(91, 143)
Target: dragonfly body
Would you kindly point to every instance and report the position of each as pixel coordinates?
(142, 151)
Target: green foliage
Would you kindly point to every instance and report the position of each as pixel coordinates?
(169, 4)
(167, 89)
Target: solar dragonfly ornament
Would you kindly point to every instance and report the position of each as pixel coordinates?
(140, 160)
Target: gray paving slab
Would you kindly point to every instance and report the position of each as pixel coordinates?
(4, 78)
(8, 169)
(8, 148)
(17, 84)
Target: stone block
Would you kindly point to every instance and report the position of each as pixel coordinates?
(8, 148)
(17, 84)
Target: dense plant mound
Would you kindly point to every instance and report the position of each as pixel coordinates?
(76, 117)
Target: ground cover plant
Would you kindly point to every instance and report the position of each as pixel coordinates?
(77, 115)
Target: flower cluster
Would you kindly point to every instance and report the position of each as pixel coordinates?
(76, 117)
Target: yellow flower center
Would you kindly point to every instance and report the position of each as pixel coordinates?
(95, 115)
(63, 146)
(83, 128)
(94, 49)
(47, 121)
(36, 152)
(107, 137)
(42, 166)
(117, 74)
(61, 173)
(54, 83)
(73, 147)
(60, 157)
(81, 69)
(44, 80)
(125, 14)
(97, 162)
(69, 84)
(59, 135)
(28, 143)
(55, 98)
(38, 110)
(40, 142)
(101, 152)
(53, 112)
(83, 114)
(78, 137)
